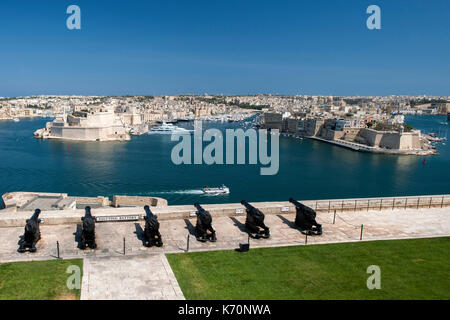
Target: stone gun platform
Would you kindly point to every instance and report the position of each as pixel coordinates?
(121, 270)
(378, 225)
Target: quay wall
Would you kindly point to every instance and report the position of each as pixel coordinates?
(55, 217)
(365, 148)
(88, 133)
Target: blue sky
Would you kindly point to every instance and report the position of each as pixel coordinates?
(230, 47)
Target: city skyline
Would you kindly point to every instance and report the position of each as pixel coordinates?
(233, 48)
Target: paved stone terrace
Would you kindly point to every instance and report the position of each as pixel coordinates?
(144, 273)
(378, 225)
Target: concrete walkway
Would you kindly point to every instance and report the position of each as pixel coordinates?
(129, 278)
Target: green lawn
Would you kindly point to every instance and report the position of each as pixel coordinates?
(410, 269)
(37, 280)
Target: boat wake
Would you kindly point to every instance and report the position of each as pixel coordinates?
(193, 191)
(188, 191)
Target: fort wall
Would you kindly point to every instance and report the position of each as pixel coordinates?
(55, 217)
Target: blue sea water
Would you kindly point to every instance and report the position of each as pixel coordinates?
(307, 170)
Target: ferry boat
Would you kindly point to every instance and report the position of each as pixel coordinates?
(220, 190)
(167, 128)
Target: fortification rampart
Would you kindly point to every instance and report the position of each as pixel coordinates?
(54, 217)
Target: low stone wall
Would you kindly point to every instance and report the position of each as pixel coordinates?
(100, 201)
(15, 219)
(126, 201)
(13, 200)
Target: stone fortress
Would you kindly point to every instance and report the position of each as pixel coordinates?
(390, 136)
(387, 139)
(99, 124)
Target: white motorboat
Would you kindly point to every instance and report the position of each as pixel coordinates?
(220, 190)
(16, 119)
(167, 128)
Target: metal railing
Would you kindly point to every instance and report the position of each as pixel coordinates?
(386, 203)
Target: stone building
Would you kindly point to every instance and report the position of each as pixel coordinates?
(399, 140)
(272, 121)
(102, 125)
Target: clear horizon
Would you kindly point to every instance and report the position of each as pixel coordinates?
(232, 48)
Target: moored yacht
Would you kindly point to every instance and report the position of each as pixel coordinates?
(167, 128)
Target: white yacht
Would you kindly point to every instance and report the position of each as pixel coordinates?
(167, 128)
(221, 190)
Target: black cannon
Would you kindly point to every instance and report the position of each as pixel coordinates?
(203, 225)
(305, 219)
(88, 230)
(151, 231)
(32, 233)
(254, 222)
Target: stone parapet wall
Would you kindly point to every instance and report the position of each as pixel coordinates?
(123, 201)
(15, 219)
(13, 200)
(101, 201)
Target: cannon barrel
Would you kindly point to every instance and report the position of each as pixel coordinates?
(296, 203)
(148, 212)
(35, 215)
(87, 211)
(247, 205)
(199, 207)
(301, 206)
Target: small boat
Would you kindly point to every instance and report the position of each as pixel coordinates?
(16, 119)
(220, 190)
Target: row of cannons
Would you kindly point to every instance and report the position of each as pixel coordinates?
(305, 220)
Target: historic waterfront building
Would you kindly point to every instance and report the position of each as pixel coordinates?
(99, 125)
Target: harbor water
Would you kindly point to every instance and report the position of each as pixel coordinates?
(307, 170)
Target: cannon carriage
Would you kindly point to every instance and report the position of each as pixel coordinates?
(254, 222)
(305, 219)
(203, 229)
(152, 237)
(32, 233)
